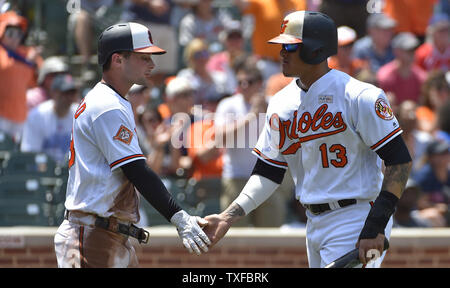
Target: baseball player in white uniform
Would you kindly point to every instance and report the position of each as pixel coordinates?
(106, 164)
(332, 131)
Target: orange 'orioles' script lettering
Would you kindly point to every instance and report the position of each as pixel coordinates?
(296, 126)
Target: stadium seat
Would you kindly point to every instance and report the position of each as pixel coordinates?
(30, 163)
(153, 216)
(23, 187)
(203, 190)
(25, 213)
(7, 143)
(176, 187)
(26, 200)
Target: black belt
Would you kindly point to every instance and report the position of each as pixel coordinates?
(112, 225)
(316, 209)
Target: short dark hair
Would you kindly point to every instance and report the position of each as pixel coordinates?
(249, 68)
(107, 65)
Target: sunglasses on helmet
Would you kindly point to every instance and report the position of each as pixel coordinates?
(290, 47)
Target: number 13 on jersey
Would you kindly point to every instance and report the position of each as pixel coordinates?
(339, 152)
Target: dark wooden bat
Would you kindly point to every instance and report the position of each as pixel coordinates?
(351, 259)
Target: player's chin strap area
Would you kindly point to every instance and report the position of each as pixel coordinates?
(112, 224)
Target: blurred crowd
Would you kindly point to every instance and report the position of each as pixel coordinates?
(219, 70)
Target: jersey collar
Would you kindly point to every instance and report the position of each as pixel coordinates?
(112, 88)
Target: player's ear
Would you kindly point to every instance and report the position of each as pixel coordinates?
(116, 58)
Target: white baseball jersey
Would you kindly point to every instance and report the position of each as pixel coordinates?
(103, 139)
(328, 137)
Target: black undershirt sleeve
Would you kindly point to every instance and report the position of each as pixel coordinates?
(151, 187)
(273, 173)
(395, 152)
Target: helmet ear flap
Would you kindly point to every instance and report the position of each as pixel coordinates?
(312, 56)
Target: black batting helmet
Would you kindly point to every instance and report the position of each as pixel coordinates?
(316, 31)
(126, 37)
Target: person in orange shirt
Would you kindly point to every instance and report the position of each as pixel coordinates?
(267, 15)
(18, 69)
(344, 61)
(411, 15)
(206, 156)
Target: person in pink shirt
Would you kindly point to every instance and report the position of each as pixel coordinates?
(234, 51)
(402, 76)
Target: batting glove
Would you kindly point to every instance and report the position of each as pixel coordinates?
(190, 232)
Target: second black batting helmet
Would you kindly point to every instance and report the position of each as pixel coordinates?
(316, 31)
(126, 37)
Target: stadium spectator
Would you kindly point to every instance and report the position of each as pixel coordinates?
(181, 8)
(411, 15)
(434, 177)
(207, 84)
(435, 52)
(352, 13)
(402, 76)
(155, 138)
(203, 23)
(173, 130)
(49, 125)
(344, 60)
(51, 67)
(206, 157)
(435, 92)
(18, 69)
(225, 61)
(266, 21)
(86, 24)
(139, 97)
(156, 14)
(237, 129)
(415, 139)
(434, 180)
(406, 215)
(375, 47)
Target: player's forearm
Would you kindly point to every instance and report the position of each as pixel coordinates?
(398, 164)
(233, 213)
(384, 206)
(395, 178)
(151, 187)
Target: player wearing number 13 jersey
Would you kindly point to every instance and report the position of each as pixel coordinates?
(333, 132)
(328, 135)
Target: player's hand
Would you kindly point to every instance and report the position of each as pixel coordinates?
(190, 231)
(217, 227)
(370, 249)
